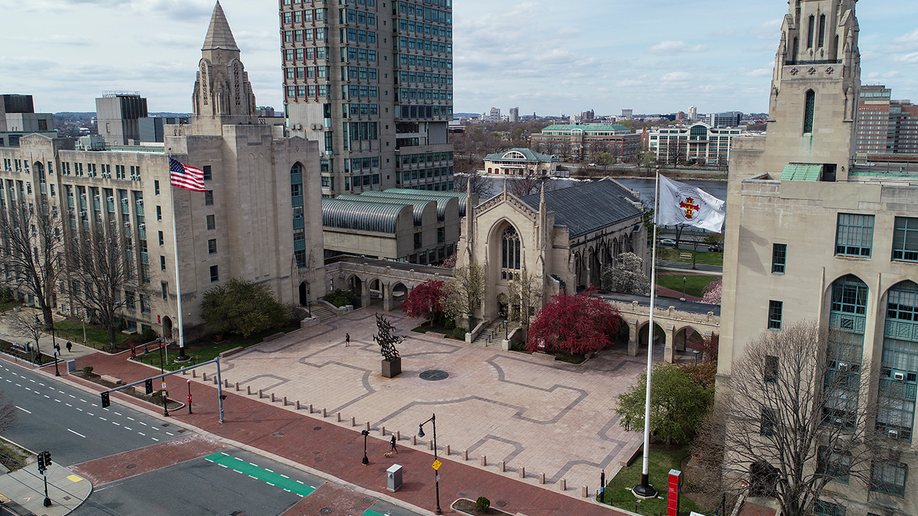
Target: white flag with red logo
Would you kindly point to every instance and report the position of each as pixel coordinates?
(680, 203)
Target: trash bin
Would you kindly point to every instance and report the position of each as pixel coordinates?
(394, 478)
(71, 366)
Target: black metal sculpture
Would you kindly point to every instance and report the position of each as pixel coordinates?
(386, 338)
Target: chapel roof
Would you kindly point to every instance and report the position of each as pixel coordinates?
(219, 34)
(589, 206)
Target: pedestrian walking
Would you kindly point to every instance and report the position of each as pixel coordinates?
(133, 353)
(69, 347)
(57, 348)
(347, 339)
(393, 449)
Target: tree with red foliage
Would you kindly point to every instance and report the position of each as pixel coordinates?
(576, 325)
(424, 300)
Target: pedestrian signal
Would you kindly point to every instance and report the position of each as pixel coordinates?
(148, 385)
(105, 400)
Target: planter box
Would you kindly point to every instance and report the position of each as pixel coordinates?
(391, 369)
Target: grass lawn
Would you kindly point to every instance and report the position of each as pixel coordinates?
(694, 284)
(96, 337)
(202, 352)
(662, 460)
(702, 256)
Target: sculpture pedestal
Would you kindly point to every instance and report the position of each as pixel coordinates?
(392, 368)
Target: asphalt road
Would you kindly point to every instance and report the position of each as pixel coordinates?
(68, 422)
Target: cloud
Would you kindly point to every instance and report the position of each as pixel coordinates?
(675, 47)
(910, 39)
(676, 77)
(760, 72)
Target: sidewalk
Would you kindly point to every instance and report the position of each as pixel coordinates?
(25, 490)
(336, 452)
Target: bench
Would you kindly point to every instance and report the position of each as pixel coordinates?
(685, 256)
(110, 379)
(231, 352)
(20, 347)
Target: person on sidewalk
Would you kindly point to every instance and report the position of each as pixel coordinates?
(69, 347)
(133, 353)
(392, 449)
(347, 339)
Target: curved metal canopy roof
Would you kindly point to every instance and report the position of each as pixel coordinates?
(362, 216)
(419, 205)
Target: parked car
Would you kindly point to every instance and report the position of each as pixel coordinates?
(716, 248)
(668, 241)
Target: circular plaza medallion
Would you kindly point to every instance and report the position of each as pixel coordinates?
(434, 375)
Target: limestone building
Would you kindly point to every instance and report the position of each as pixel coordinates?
(520, 163)
(259, 219)
(373, 105)
(695, 142)
(119, 117)
(812, 236)
(560, 238)
(585, 142)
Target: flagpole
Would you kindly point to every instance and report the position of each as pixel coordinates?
(182, 357)
(645, 490)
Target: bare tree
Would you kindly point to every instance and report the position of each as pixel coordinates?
(528, 185)
(794, 422)
(524, 294)
(32, 245)
(25, 323)
(479, 184)
(7, 413)
(97, 264)
(462, 295)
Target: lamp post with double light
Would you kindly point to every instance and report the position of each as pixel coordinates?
(433, 419)
(365, 433)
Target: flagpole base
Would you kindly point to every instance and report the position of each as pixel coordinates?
(644, 490)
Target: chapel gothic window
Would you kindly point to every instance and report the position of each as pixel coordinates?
(510, 253)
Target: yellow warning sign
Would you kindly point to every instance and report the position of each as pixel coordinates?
(437, 464)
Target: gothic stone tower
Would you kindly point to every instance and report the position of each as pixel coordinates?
(815, 87)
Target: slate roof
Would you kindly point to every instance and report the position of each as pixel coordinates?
(219, 34)
(589, 206)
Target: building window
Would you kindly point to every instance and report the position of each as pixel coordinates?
(156, 187)
(510, 253)
(159, 213)
(822, 508)
(214, 274)
(811, 29)
(844, 351)
(212, 246)
(207, 173)
(771, 369)
(161, 239)
(417, 240)
(889, 478)
(905, 239)
(165, 289)
(162, 263)
(211, 222)
(778, 258)
(898, 386)
(834, 464)
(809, 111)
(854, 235)
(767, 423)
(209, 198)
(774, 314)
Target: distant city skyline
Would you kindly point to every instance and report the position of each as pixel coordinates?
(543, 57)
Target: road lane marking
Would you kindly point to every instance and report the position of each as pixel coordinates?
(78, 408)
(126, 428)
(117, 413)
(102, 418)
(22, 409)
(76, 433)
(155, 439)
(69, 405)
(265, 475)
(129, 417)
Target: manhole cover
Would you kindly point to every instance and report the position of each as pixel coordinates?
(131, 466)
(318, 459)
(325, 510)
(317, 428)
(501, 503)
(434, 375)
(316, 453)
(277, 434)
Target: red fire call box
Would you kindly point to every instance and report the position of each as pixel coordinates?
(675, 484)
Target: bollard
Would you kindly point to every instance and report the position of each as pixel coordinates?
(430, 445)
(298, 404)
(324, 413)
(465, 455)
(310, 408)
(367, 426)
(227, 384)
(205, 376)
(237, 386)
(184, 372)
(502, 466)
(248, 390)
(398, 435)
(272, 397)
(522, 472)
(259, 393)
(194, 373)
(585, 492)
(214, 380)
(563, 484)
(285, 401)
(414, 440)
(447, 450)
(353, 421)
(382, 431)
(484, 460)
(339, 417)
(541, 478)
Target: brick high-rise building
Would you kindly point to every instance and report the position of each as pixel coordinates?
(885, 126)
(378, 108)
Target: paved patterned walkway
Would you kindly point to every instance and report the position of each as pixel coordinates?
(527, 411)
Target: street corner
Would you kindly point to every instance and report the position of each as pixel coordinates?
(25, 490)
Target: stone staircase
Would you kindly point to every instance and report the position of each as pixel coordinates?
(323, 313)
(491, 336)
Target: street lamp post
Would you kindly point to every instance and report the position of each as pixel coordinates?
(56, 371)
(683, 289)
(189, 396)
(433, 419)
(365, 433)
(506, 328)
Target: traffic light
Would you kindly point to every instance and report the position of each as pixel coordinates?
(148, 385)
(105, 400)
(47, 455)
(41, 462)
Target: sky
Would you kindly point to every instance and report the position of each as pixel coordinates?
(545, 57)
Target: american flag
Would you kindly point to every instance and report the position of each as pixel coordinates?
(183, 176)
